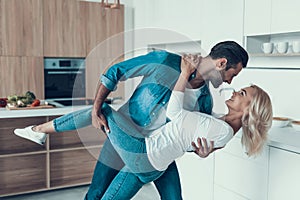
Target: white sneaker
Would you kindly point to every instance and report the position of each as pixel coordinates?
(28, 133)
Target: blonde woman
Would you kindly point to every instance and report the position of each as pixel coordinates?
(146, 158)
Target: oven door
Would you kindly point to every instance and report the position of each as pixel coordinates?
(64, 83)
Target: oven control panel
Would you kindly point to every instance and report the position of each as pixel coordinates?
(64, 63)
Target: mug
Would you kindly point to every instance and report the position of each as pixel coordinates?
(267, 47)
(296, 46)
(282, 47)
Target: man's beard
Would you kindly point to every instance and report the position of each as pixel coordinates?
(215, 77)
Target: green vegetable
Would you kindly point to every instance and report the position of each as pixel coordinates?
(22, 100)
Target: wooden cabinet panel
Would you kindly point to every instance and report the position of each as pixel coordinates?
(108, 51)
(33, 75)
(11, 27)
(84, 137)
(64, 28)
(1, 28)
(115, 28)
(71, 167)
(20, 74)
(21, 28)
(8, 139)
(10, 76)
(22, 173)
(95, 26)
(32, 41)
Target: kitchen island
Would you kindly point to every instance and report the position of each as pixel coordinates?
(67, 159)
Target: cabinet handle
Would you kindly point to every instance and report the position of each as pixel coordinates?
(66, 72)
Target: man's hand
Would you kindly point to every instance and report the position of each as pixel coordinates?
(99, 121)
(202, 149)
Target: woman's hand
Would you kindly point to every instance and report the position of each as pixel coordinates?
(190, 63)
(202, 149)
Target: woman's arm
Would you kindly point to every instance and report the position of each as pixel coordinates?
(186, 70)
(175, 106)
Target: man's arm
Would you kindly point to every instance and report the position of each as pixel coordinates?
(137, 66)
(98, 119)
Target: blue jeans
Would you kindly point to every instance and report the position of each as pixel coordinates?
(109, 163)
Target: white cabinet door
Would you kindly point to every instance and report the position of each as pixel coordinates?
(196, 176)
(257, 17)
(222, 20)
(237, 173)
(285, 16)
(284, 175)
(221, 193)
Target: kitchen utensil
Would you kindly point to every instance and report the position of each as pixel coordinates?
(267, 47)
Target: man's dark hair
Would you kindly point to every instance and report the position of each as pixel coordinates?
(232, 51)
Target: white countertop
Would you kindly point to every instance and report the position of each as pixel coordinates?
(285, 138)
(4, 113)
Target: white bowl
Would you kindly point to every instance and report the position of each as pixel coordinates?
(280, 121)
(296, 125)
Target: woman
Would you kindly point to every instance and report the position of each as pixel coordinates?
(147, 158)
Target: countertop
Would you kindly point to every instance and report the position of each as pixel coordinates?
(4, 113)
(285, 138)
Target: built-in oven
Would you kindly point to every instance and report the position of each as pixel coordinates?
(64, 79)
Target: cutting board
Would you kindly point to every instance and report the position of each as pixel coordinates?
(30, 107)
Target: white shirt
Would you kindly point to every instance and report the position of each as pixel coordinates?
(172, 140)
(190, 103)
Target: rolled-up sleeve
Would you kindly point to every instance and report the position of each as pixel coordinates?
(108, 83)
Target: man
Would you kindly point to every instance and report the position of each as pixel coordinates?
(146, 107)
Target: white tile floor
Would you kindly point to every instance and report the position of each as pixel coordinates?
(148, 192)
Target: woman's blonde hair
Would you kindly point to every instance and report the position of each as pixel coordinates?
(256, 122)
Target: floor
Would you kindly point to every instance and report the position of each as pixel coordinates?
(77, 193)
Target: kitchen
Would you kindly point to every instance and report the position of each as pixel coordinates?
(204, 21)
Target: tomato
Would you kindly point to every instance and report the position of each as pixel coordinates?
(36, 102)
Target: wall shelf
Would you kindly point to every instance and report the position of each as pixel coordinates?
(272, 60)
(275, 55)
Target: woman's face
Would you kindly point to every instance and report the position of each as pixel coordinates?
(240, 100)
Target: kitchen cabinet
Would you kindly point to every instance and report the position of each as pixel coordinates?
(275, 16)
(20, 74)
(274, 24)
(284, 176)
(67, 159)
(106, 43)
(227, 23)
(238, 175)
(196, 176)
(221, 193)
(254, 23)
(21, 28)
(64, 28)
(284, 16)
(96, 27)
